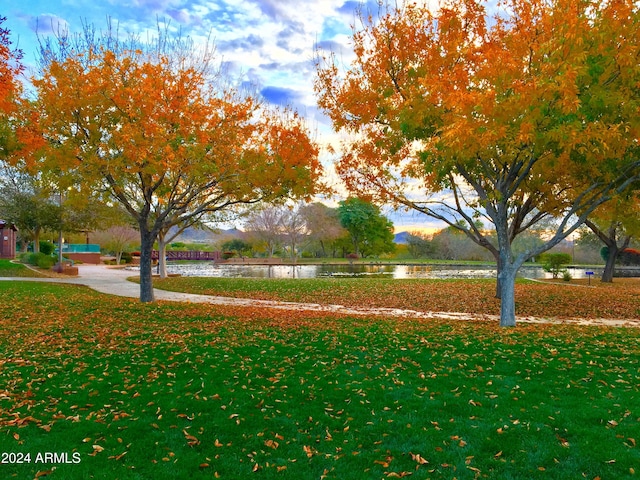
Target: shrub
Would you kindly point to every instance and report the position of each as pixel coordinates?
(553, 263)
(45, 261)
(38, 259)
(47, 248)
(566, 276)
(32, 258)
(126, 257)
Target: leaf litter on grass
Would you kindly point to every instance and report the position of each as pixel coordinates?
(181, 390)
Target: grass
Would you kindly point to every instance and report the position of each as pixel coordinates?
(141, 391)
(10, 269)
(619, 300)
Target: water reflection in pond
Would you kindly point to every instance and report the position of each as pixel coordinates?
(207, 269)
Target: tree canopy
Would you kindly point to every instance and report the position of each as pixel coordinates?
(513, 118)
(371, 232)
(10, 89)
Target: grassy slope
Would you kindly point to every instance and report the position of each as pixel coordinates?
(10, 269)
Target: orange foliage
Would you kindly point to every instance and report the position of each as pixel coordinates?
(156, 130)
(478, 96)
(527, 115)
(128, 120)
(10, 68)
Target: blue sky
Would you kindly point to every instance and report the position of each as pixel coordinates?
(267, 43)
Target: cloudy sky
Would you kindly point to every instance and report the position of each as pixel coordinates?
(269, 43)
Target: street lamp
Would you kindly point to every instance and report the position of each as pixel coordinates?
(59, 267)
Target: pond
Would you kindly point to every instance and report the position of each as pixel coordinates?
(396, 271)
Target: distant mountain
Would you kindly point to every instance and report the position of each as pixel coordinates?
(401, 238)
(196, 235)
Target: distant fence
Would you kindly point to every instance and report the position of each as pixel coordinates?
(189, 255)
(80, 248)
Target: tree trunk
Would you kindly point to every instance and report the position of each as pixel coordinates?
(36, 241)
(498, 282)
(162, 256)
(507, 279)
(146, 248)
(609, 268)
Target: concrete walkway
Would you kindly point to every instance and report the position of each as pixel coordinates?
(113, 281)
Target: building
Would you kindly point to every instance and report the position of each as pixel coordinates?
(7, 240)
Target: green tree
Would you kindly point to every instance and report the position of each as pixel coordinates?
(25, 202)
(554, 262)
(238, 246)
(371, 232)
(615, 224)
(420, 245)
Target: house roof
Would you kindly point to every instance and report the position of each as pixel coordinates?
(6, 225)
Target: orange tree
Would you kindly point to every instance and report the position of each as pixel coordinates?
(10, 68)
(516, 118)
(158, 129)
(10, 88)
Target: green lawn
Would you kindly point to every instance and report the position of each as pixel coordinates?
(10, 269)
(170, 391)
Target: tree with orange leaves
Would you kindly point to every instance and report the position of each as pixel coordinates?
(161, 131)
(10, 69)
(514, 118)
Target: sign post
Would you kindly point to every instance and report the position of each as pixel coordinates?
(589, 275)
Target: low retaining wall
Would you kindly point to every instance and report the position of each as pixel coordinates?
(93, 258)
(65, 269)
(626, 272)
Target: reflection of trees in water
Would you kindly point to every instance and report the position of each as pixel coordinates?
(352, 271)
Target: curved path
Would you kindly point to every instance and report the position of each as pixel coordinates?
(113, 281)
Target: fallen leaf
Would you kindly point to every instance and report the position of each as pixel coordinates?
(418, 458)
(308, 451)
(271, 444)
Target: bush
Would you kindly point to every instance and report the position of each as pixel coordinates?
(46, 261)
(32, 258)
(566, 276)
(126, 257)
(38, 260)
(553, 263)
(47, 248)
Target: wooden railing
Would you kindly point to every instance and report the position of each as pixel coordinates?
(188, 255)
